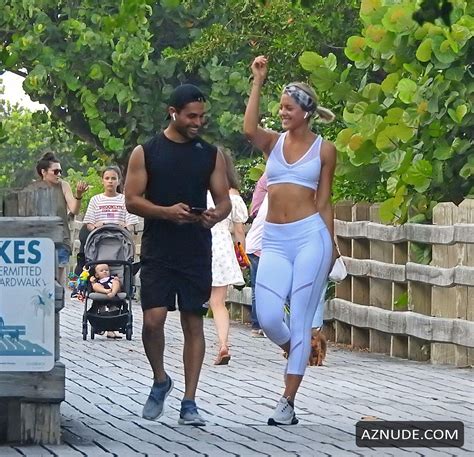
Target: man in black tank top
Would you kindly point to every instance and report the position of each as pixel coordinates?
(167, 181)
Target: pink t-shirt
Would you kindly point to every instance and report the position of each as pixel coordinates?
(258, 195)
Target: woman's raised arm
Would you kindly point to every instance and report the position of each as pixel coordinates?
(260, 138)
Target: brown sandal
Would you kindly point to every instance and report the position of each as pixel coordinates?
(223, 357)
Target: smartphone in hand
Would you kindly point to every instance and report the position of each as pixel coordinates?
(197, 210)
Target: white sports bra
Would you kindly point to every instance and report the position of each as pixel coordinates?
(304, 172)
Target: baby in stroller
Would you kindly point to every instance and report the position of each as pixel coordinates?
(103, 282)
(109, 252)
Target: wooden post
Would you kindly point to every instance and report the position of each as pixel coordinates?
(399, 290)
(343, 212)
(400, 345)
(41, 423)
(342, 331)
(239, 303)
(419, 301)
(31, 201)
(235, 311)
(380, 291)
(30, 401)
(246, 314)
(443, 302)
(360, 285)
(75, 227)
(465, 295)
(329, 330)
(418, 349)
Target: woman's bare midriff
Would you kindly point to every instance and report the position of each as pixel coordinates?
(290, 203)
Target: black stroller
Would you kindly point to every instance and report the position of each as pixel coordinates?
(113, 245)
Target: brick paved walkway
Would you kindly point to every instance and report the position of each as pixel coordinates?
(108, 382)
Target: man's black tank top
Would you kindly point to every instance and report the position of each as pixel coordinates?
(177, 173)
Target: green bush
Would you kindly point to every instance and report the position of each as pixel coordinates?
(409, 115)
(249, 171)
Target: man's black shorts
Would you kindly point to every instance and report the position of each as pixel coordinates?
(161, 283)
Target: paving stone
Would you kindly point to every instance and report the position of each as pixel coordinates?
(108, 382)
(7, 451)
(62, 451)
(30, 451)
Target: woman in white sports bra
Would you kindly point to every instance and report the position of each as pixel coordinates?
(298, 249)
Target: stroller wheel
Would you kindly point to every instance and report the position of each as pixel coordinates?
(84, 330)
(92, 332)
(128, 333)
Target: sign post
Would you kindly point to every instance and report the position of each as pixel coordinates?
(32, 376)
(27, 296)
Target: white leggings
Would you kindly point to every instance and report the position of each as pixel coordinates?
(295, 263)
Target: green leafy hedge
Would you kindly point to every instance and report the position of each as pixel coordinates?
(409, 116)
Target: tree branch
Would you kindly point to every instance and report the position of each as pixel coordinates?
(75, 123)
(333, 47)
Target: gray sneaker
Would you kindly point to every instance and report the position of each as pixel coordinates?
(154, 406)
(189, 414)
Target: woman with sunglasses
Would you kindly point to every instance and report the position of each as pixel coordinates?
(297, 247)
(49, 170)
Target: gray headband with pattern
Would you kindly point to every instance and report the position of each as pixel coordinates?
(301, 97)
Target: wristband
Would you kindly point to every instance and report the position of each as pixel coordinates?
(77, 198)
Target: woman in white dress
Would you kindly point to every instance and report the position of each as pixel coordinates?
(225, 267)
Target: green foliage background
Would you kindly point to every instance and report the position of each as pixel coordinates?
(25, 137)
(408, 107)
(105, 69)
(403, 92)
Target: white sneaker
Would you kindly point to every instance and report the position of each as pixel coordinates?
(284, 414)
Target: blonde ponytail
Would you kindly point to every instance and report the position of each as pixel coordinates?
(324, 115)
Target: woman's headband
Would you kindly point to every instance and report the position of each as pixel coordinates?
(301, 97)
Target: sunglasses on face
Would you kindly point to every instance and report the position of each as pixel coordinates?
(57, 171)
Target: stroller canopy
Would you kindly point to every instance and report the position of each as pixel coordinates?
(109, 242)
